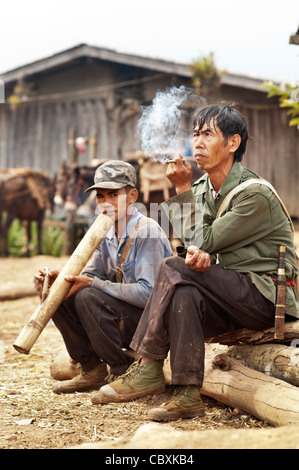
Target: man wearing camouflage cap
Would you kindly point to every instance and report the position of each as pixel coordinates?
(114, 174)
(100, 314)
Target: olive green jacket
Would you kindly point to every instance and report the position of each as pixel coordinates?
(247, 237)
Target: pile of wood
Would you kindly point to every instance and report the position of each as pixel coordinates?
(251, 371)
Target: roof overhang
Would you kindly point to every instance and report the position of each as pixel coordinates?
(65, 57)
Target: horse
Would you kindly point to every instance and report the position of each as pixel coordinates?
(25, 194)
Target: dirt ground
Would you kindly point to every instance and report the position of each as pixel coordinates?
(33, 417)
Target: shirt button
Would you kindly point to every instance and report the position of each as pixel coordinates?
(244, 175)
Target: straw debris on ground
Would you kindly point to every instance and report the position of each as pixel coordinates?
(33, 417)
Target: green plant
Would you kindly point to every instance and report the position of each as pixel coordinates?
(206, 78)
(288, 96)
(16, 239)
(20, 94)
(52, 240)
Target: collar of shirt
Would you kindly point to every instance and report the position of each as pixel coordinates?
(133, 220)
(235, 175)
(212, 188)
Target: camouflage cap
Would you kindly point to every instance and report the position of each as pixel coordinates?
(114, 174)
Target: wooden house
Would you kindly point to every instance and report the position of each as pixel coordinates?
(95, 94)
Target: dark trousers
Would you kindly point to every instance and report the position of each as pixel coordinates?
(186, 307)
(96, 327)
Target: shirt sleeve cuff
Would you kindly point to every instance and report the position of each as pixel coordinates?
(97, 283)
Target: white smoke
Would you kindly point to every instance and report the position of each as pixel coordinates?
(159, 127)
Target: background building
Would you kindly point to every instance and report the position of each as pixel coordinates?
(95, 94)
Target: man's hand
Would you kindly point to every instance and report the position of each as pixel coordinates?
(79, 282)
(197, 259)
(40, 276)
(180, 174)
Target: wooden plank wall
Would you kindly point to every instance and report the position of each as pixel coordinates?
(36, 135)
(273, 151)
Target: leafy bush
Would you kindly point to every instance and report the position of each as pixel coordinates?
(288, 98)
(206, 77)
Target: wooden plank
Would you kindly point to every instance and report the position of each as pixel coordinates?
(38, 148)
(247, 336)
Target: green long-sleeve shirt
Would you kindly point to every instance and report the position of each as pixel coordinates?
(247, 237)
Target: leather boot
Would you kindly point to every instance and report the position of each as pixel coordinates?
(185, 403)
(141, 379)
(84, 382)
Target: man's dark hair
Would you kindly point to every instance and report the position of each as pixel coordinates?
(228, 119)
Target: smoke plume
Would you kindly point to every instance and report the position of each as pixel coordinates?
(159, 126)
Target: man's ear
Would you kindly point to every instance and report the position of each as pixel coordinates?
(133, 195)
(234, 142)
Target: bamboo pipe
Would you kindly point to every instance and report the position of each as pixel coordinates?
(280, 295)
(61, 287)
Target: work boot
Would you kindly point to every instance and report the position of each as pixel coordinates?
(141, 379)
(186, 402)
(95, 397)
(84, 382)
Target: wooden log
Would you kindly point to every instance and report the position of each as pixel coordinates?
(61, 287)
(277, 360)
(267, 398)
(63, 367)
(12, 291)
(244, 335)
(230, 382)
(69, 233)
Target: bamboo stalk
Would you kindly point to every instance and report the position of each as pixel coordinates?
(61, 287)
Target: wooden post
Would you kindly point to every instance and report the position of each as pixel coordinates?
(61, 287)
(92, 148)
(73, 154)
(69, 232)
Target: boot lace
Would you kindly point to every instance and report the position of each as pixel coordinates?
(179, 393)
(132, 372)
(111, 378)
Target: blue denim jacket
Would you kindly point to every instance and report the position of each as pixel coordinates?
(140, 268)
